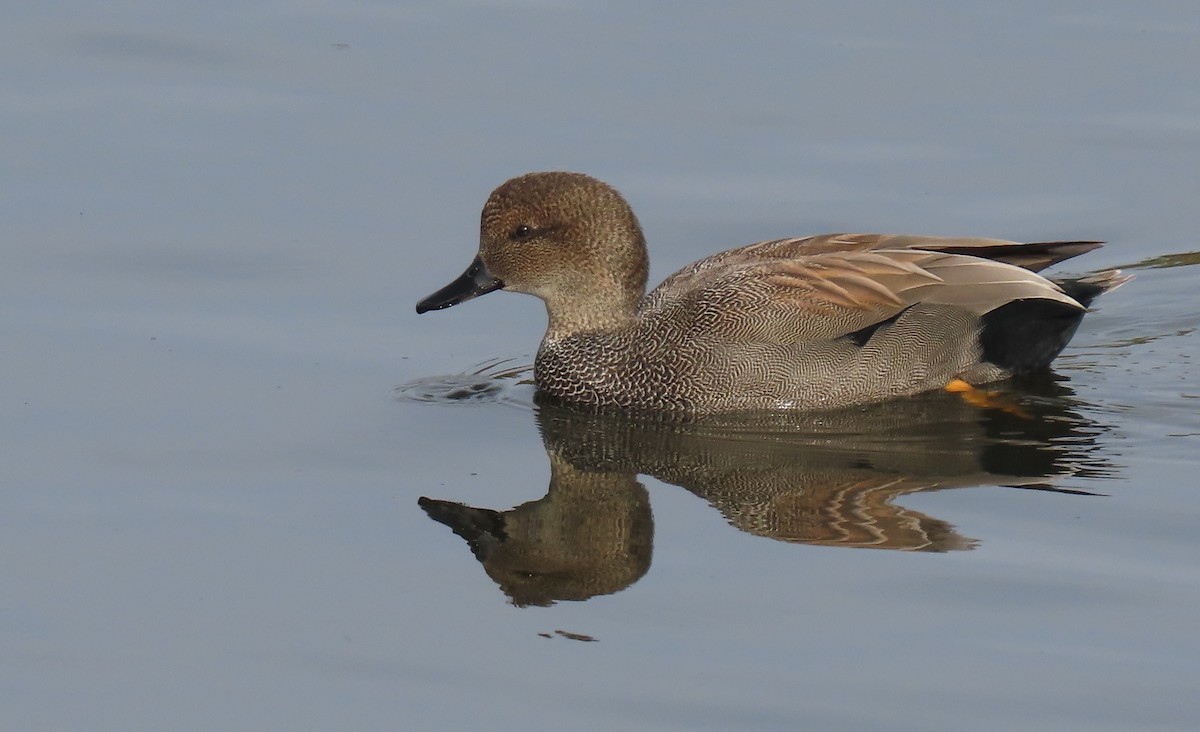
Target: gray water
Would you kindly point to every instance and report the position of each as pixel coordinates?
(219, 409)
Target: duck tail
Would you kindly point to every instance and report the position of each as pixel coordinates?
(1087, 288)
(1024, 336)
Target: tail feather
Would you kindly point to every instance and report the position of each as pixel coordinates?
(1087, 288)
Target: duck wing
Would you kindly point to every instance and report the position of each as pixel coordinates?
(1034, 256)
(749, 295)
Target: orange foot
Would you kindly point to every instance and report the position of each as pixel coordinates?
(986, 399)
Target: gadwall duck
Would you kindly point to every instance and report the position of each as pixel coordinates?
(807, 323)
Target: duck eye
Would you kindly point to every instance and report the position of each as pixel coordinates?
(521, 233)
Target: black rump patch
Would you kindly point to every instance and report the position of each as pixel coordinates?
(1026, 335)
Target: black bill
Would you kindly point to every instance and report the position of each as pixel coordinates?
(474, 282)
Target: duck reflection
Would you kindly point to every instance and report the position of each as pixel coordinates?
(828, 479)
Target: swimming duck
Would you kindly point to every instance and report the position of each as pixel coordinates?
(791, 324)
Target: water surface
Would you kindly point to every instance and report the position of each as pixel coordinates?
(219, 410)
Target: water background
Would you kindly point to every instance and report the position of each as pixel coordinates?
(217, 220)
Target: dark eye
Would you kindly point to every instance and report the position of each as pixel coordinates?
(521, 233)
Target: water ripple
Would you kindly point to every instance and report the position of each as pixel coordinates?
(497, 381)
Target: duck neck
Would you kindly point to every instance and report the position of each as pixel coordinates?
(600, 295)
(582, 314)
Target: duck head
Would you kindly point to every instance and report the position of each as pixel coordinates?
(566, 238)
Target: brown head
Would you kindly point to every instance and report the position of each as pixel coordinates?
(567, 238)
